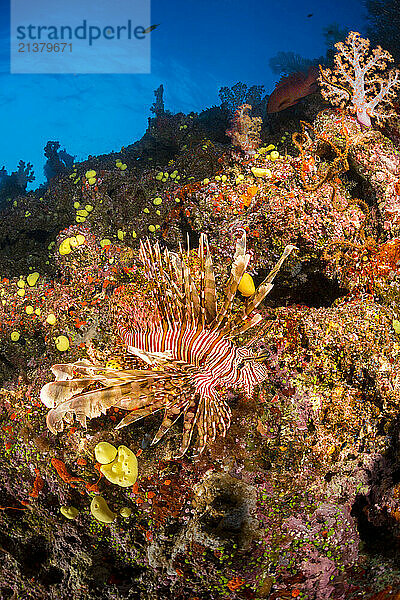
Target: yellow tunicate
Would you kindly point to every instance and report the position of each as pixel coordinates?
(70, 512)
(205, 181)
(37, 311)
(246, 285)
(105, 452)
(80, 239)
(80, 219)
(118, 163)
(77, 204)
(32, 279)
(270, 147)
(92, 180)
(73, 242)
(100, 511)
(157, 201)
(105, 242)
(65, 247)
(274, 155)
(90, 174)
(120, 234)
(21, 293)
(146, 210)
(51, 319)
(125, 512)
(258, 172)
(224, 178)
(62, 343)
(89, 207)
(152, 228)
(123, 167)
(82, 213)
(134, 234)
(29, 309)
(123, 471)
(21, 283)
(15, 335)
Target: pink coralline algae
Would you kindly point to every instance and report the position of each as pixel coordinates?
(358, 78)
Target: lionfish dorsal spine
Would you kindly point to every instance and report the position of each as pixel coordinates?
(209, 286)
(239, 266)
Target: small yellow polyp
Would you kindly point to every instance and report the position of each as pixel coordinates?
(246, 285)
(51, 319)
(258, 172)
(62, 343)
(70, 512)
(105, 452)
(123, 470)
(100, 510)
(80, 239)
(32, 279)
(15, 336)
(65, 247)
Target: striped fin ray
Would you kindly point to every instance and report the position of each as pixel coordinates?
(154, 274)
(202, 313)
(239, 266)
(209, 287)
(243, 326)
(189, 422)
(177, 295)
(141, 413)
(164, 287)
(171, 415)
(192, 300)
(262, 291)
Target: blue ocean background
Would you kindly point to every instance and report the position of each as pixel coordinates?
(197, 48)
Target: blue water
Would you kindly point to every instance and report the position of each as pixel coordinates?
(198, 48)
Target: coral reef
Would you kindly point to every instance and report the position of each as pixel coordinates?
(301, 496)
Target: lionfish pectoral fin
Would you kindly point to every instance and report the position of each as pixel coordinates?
(189, 422)
(171, 415)
(140, 413)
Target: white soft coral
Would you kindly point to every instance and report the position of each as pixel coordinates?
(359, 77)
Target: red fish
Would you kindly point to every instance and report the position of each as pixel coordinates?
(291, 88)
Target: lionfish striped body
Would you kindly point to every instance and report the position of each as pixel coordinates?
(185, 339)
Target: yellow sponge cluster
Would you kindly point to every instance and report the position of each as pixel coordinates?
(70, 243)
(118, 466)
(91, 177)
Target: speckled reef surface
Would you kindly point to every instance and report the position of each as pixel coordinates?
(301, 496)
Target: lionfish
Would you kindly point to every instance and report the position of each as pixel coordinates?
(187, 342)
